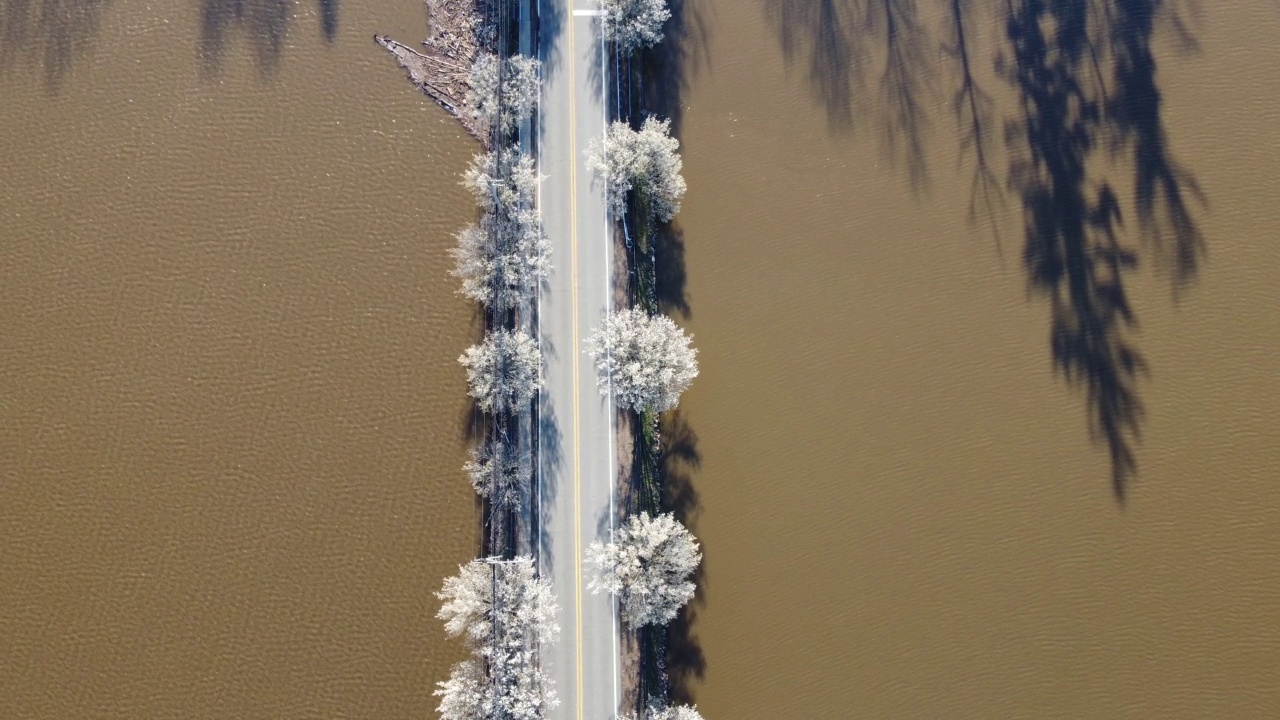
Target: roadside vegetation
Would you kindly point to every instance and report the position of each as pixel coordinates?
(644, 360)
(497, 604)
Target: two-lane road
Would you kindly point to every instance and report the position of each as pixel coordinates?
(576, 467)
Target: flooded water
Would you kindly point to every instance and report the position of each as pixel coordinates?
(232, 417)
(907, 510)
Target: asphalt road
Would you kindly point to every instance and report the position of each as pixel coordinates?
(577, 465)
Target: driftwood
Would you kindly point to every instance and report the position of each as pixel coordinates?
(457, 34)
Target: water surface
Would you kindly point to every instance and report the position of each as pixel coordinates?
(906, 508)
(231, 416)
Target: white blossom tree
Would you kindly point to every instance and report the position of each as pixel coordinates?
(467, 694)
(510, 99)
(646, 161)
(644, 359)
(659, 711)
(504, 371)
(648, 566)
(502, 260)
(499, 471)
(504, 613)
(634, 23)
(503, 181)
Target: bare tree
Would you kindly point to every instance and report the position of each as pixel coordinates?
(646, 161)
(504, 371)
(634, 23)
(509, 99)
(645, 360)
(505, 613)
(648, 566)
(502, 260)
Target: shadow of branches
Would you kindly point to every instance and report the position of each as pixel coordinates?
(1160, 186)
(1071, 253)
(1084, 76)
(49, 34)
(1070, 105)
(264, 23)
(843, 39)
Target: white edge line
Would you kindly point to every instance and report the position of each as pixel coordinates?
(608, 284)
(537, 301)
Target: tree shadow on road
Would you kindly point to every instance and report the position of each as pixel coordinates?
(550, 458)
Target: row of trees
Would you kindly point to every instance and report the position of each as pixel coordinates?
(499, 606)
(644, 360)
(504, 612)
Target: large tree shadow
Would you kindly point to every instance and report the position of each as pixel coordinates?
(1073, 255)
(48, 34)
(264, 23)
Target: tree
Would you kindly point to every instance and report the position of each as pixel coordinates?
(502, 260)
(499, 472)
(645, 161)
(504, 371)
(504, 612)
(519, 88)
(644, 359)
(634, 23)
(658, 711)
(503, 181)
(648, 565)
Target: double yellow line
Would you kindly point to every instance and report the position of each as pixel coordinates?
(574, 352)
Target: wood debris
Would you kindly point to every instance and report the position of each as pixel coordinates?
(457, 33)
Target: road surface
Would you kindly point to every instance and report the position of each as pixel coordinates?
(576, 466)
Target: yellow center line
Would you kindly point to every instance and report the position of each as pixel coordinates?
(573, 351)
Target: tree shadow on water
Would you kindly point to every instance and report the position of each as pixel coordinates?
(1071, 253)
(666, 68)
(671, 279)
(1072, 216)
(1162, 188)
(264, 23)
(843, 39)
(48, 34)
(685, 662)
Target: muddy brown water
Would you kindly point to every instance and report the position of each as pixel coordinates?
(231, 417)
(904, 514)
(231, 424)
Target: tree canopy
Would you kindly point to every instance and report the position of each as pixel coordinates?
(503, 611)
(634, 23)
(645, 360)
(504, 371)
(510, 98)
(648, 566)
(646, 161)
